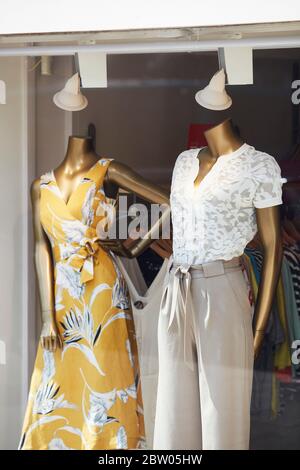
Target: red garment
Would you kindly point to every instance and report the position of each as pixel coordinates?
(196, 137)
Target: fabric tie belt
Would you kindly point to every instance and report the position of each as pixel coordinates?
(81, 257)
(178, 288)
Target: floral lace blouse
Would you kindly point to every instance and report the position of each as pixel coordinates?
(216, 219)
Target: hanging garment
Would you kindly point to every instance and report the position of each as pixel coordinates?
(283, 352)
(145, 303)
(293, 319)
(212, 224)
(205, 345)
(150, 264)
(264, 402)
(292, 255)
(85, 395)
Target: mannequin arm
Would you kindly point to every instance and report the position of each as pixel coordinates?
(50, 338)
(122, 176)
(270, 235)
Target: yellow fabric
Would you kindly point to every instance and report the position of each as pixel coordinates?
(85, 396)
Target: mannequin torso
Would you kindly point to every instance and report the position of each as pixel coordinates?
(222, 139)
(80, 158)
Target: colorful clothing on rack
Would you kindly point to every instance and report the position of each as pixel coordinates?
(292, 255)
(263, 399)
(293, 319)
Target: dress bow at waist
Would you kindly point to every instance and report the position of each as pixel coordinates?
(80, 256)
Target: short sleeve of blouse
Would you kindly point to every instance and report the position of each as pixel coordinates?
(268, 181)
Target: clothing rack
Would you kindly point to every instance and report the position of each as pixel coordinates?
(274, 365)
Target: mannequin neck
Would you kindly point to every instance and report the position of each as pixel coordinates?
(222, 139)
(78, 151)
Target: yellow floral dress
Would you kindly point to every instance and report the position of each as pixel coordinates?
(87, 394)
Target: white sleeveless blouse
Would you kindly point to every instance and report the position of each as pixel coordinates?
(217, 219)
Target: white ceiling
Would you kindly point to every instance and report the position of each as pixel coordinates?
(23, 16)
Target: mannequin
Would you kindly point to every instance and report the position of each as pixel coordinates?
(88, 336)
(80, 156)
(221, 195)
(222, 139)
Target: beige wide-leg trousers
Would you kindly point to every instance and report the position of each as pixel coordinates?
(205, 346)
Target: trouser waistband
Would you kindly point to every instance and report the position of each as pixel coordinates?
(208, 269)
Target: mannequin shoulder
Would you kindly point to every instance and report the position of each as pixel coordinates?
(116, 165)
(35, 189)
(118, 169)
(187, 155)
(186, 160)
(264, 164)
(263, 157)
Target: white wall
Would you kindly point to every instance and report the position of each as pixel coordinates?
(14, 218)
(53, 125)
(35, 16)
(33, 139)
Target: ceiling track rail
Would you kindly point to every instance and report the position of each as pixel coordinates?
(158, 46)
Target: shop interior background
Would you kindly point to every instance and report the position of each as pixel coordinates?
(142, 119)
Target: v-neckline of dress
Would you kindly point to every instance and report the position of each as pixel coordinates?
(66, 203)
